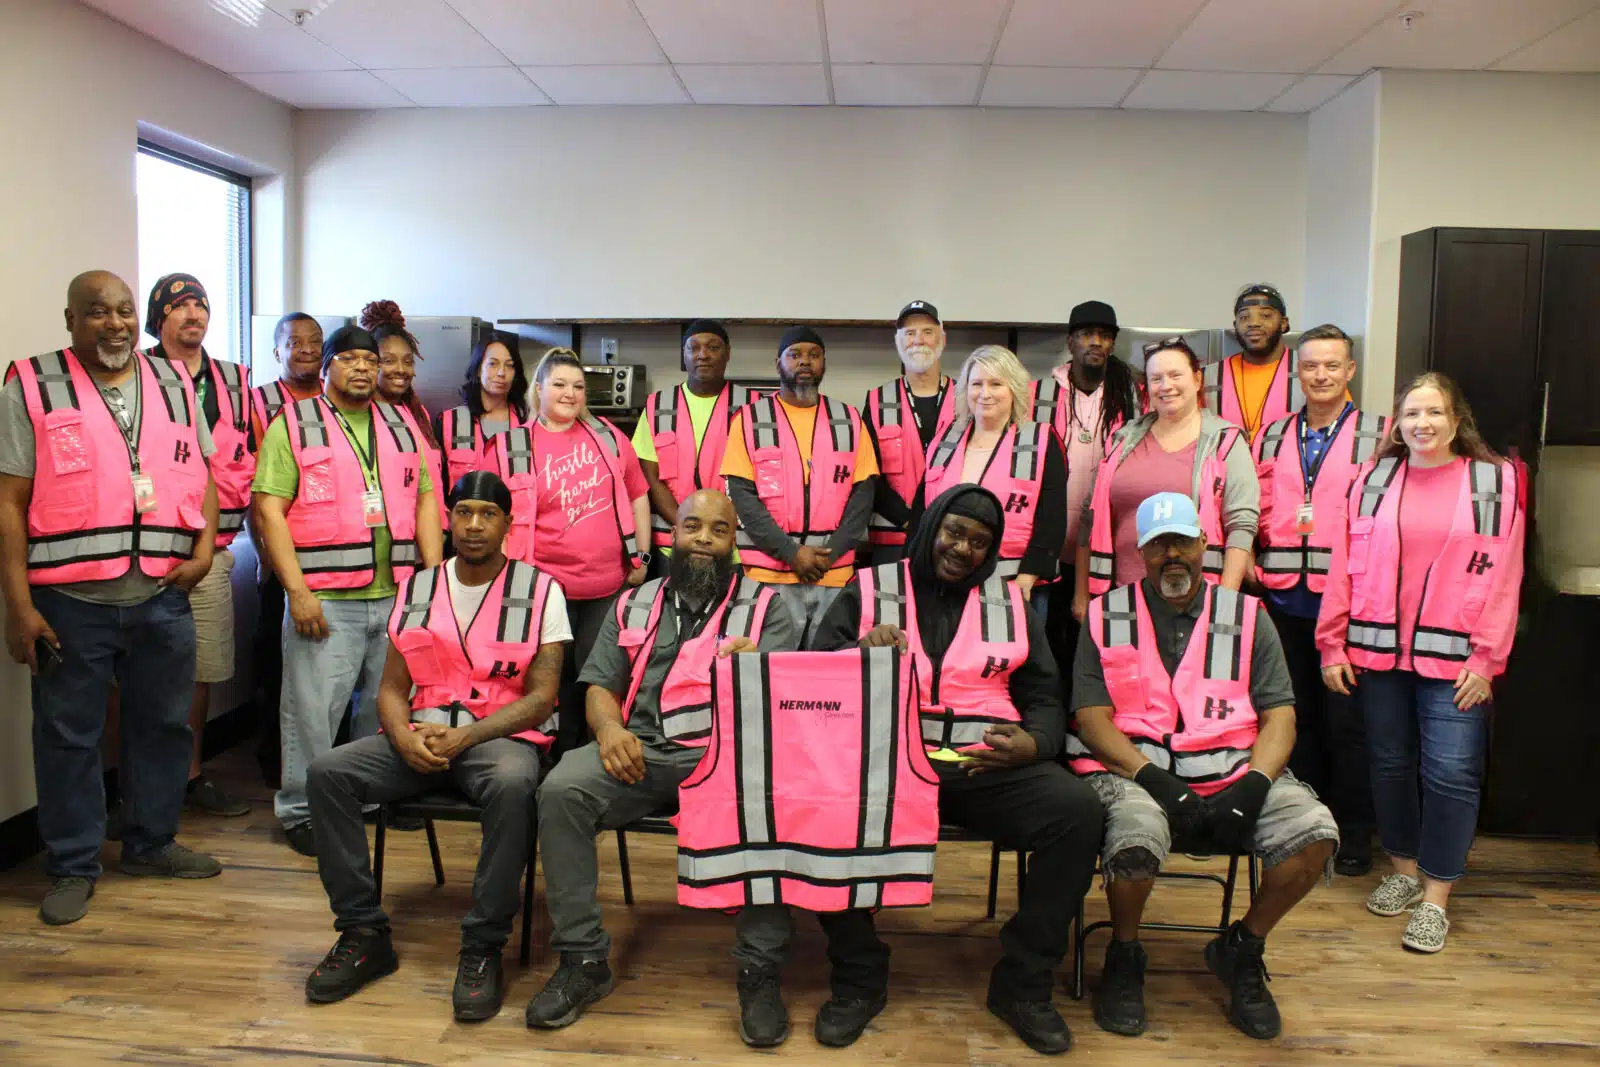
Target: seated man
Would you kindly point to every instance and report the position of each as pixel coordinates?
(1184, 723)
(649, 679)
(992, 721)
(481, 638)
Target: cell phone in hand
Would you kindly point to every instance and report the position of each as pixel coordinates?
(47, 656)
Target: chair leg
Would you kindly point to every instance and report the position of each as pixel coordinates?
(433, 850)
(526, 955)
(994, 881)
(1227, 891)
(1255, 876)
(377, 851)
(622, 861)
(1078, 940)
(1022, 875)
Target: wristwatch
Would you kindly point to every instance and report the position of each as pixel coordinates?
(641, 559)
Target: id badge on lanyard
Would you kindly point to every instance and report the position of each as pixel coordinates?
(372, 507)
(144, 493)
(1304, 520)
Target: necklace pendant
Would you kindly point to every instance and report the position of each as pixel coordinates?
(1083, 437)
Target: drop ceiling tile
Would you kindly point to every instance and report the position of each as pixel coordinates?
(1055, 87)
(1310, 94)
(1185, 90)
(736, 31)
(558, 32)
(912, 31)
(893, 85)
(394, 33)
(1460, 35)
(353, 89)
(1575, 47)
(464, 86)
(231, 35)
(1270, 35)
(1076, 33)
(609, 84)
(755, 83)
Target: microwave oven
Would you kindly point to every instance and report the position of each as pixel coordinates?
(615, 388)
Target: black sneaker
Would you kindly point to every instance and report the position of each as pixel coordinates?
(361, 955)
(763, 1020)
(1355, 856)
(840, 1020)
(1037, 1022)
(202, 794)
(1236, 958)
(302, 839)
(576, 984)
(480, 985)
(1119, 999)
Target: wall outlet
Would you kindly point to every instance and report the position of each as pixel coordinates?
(608, 349)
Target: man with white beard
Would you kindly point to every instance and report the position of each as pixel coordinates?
(108, 517)
(905, 416)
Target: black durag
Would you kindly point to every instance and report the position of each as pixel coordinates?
(939, 603)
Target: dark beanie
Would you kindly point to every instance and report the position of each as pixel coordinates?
(799, 335)
(480, 485)
(165, 295)
(982, 507)
(347, 339)
(711, 326)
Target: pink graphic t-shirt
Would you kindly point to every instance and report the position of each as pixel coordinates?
(577, 537)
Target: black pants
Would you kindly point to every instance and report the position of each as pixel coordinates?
(1330, 746)
(1040, 808)
(268, 653)
(1062, 629)
(585, 617)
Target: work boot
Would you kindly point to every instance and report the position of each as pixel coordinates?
(1119, 1000)
(1037, 1022)
(202, 794)
(174, 861)
(763, 1020)
(480, 984)
(362, 954)
(841, 1020)
(576, 984)
(1236, 957)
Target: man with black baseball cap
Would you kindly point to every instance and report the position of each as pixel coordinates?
(919, 400)
(1259, 384)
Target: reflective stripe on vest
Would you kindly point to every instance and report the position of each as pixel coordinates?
(750, 834)
(233, 466)
(794, 499)
(1220, 393)
(682, 463)
(1019, 484)
(271, 398)
(901, 456)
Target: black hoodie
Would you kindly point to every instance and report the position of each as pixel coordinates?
(1035, 684)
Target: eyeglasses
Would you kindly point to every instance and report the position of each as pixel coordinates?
(1175, 341)
(354, 359)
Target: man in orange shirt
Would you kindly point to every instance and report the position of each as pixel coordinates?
(1258, 385)
(797, 531)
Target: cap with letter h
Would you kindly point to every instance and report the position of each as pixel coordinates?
(1167, 513)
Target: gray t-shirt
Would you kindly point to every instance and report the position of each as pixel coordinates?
(18, 456)
(608, 665)
(490, 427)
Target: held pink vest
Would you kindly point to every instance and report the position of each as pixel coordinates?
(82, 524)
(233, 465)
(1283, 553)
(686, 693)
(901, 459)
(1015, 474)
(1052, 405)
(331, 538)
(806, 505)
(1213, 476)
(1220, 393)
(1459, 580)
(512, 457)
(683, 465)
(487, 667)
(813, 791)
(1199, 724)
(972, 689)
(463, 444)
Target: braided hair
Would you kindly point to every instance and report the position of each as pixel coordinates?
(383, 319)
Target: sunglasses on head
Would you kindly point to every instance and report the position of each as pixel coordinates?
(1175, 341)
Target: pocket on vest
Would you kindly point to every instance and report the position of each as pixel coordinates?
(422, 659)
(66, 507)
(67, 445)
(891, 458)
(1360, 545)
(318, 480)
(192, 511)
(769, 474)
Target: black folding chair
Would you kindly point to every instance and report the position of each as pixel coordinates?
(451, 805)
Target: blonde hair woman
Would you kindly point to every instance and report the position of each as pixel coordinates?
(991, 443)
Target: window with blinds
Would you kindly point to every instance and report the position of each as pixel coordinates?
(194, 218)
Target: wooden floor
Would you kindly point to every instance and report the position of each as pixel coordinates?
(210, 973)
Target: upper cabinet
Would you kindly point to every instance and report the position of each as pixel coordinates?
(1569, 337)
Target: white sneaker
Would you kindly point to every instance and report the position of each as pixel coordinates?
(1395, 894)
(1427, 928)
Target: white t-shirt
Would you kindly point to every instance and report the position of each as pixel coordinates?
(467, 599)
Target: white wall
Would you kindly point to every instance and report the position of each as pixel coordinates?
(74, 86)
(799, 212)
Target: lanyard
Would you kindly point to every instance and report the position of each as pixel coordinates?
(697, 619)
(130, 433)
(369, 462)
(1307, 470)
(911, 398)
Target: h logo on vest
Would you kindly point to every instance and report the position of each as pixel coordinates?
(841, 474)
(411, 476)
(180, 452)
(994, 665)
(238, 452)
(1017, 502)
(504, 669)
(1218, 709)
(1479, 563)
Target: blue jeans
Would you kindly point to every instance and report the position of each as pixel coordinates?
(149, 649)
(320, 679)
(1412, 722)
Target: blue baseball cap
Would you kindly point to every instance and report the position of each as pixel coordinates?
(1167, 513)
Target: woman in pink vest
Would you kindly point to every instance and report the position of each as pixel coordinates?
(397, 369)
(993, 444)
(1177, 447)
(494, 398)
(1418, 616)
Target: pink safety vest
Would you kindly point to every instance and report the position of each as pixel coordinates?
(1480, 533)
(805, 506)
(269, 399)
(813, 791)
(233, 465)
(511, 457)
(1213, 476)
(1284, 553)
(463, 443)
(1284, 396)
(901, 457)
(682, 464)
(1015, 474)
(972, 689)
(82, 524)
(332, 541)
(686, 692)
(1199, 724)
(485, 668)
(1051, 404)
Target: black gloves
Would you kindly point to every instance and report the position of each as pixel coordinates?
(1232, 813)
(1186, 812)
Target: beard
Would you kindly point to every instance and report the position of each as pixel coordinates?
(1176, 583)
(919, 358)
(699, 579)
(114, 360)
(805, 392)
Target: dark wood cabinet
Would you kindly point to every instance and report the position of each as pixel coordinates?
(1569, 341)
